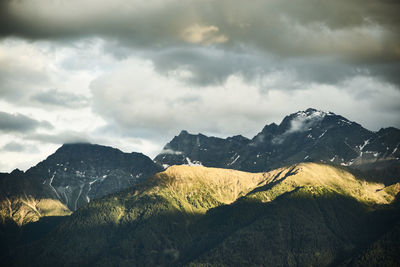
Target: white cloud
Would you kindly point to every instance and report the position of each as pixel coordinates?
(137, 98)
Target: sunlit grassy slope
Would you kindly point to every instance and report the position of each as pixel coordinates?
(27, 209)
(199, 188)
(318, 178)
(303, 215)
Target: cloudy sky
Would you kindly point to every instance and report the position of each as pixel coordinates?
(133, 73)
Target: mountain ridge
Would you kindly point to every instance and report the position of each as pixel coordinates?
(309, 135)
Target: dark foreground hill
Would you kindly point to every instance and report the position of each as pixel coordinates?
(303, 215)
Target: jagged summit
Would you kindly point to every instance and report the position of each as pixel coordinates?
(183, 133)
(17, 172)
(79, 172)
(78, 148)
(311, 112)
(309, 135)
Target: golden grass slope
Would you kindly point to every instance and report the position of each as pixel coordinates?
(27, 209)
(314, 177)
(198, 188)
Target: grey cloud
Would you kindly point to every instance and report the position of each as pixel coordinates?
(269, 25)
(149, 109)
(62, 138)
(13, 146)
(211, 66)
(18, 80)
(18, 147)
(20, 123)
(57, 98)
(350, 34)
(214, 66)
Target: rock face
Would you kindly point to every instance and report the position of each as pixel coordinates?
(304, 136)
(78, 173)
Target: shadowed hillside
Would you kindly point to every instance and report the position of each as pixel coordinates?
(307, 214)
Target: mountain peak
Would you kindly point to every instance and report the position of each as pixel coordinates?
(183, 133)
(312, 113)
(77, 173)
(17, 172)
(79, 148)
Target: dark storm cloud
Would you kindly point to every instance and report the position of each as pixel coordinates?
(358, 31)
(214, 66)
(57, 98)
(263, 23)
(19, 123)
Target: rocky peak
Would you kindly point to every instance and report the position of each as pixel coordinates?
(77, 173)
(183, 133)
(17, 172)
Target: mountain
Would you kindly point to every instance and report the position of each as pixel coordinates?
(77, 173)
(301, 215)
(70, 178)
(304, 136)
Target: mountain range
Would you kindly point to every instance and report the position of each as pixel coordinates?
(305, 136)
(301, 215)
(317, 189)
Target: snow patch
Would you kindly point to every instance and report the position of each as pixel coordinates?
(90, 188)
(238, 156)
(79, 195)
(194, 163)
(366, 142)
(79, 174)
(395, 149)
(51, 185)
(344, 122)
(322, 134)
